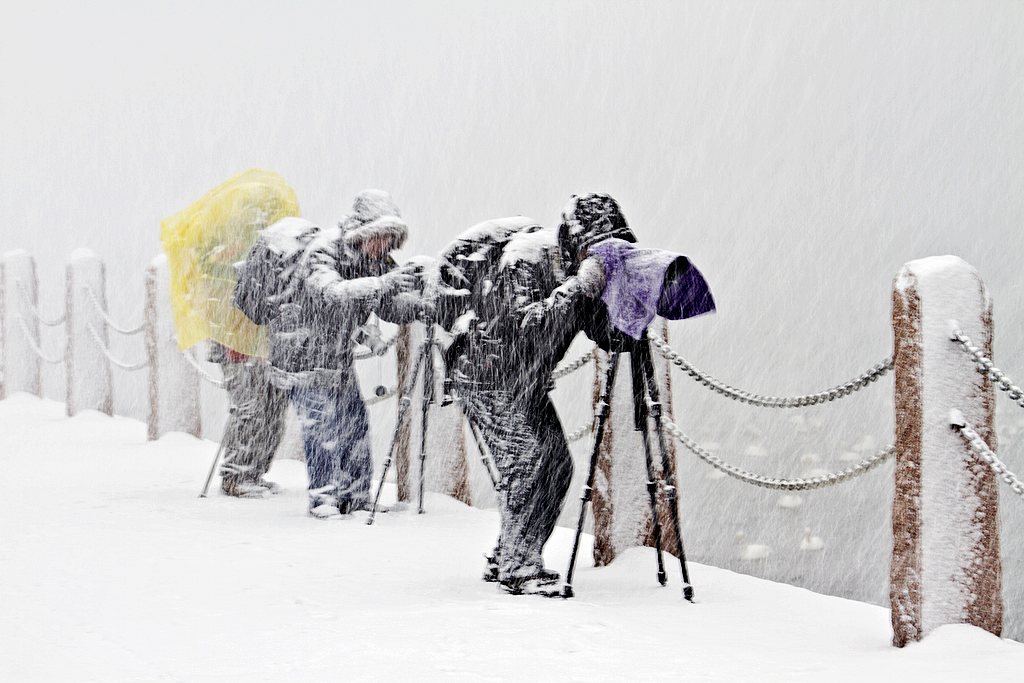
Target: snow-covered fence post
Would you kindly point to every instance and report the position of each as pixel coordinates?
(403, 431)
(88, 385)
(173, 384)
(447, 467)
(3, 328)
(20, 329)
(622, 509)
(945, 563)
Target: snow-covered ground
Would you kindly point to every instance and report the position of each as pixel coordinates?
(111, 569)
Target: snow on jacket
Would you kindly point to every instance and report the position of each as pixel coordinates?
(499, 350)
(340, 287)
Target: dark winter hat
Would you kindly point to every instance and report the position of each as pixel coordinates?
(588, 219)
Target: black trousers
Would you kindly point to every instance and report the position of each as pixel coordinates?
(527, 443)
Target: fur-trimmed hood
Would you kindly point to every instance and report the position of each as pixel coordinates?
(374, 214)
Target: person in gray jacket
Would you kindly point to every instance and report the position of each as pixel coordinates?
(257, 423)
(347, 274)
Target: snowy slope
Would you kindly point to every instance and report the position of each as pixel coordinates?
(113, 570)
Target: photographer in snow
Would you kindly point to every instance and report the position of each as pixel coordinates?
(507, 343)
(528, 292)
(346, 274)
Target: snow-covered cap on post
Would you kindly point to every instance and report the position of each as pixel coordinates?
(374, 214)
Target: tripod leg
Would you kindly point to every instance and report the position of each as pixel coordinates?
(602, 417)
(403, 409)
(228, 433)
(667, 471)
(424, 416)
(652, 486)
(427, 359)
(484, 458)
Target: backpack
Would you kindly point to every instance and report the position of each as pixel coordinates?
(268, 278)
(500, 266)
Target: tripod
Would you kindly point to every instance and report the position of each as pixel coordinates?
(425, 362)
(646, 405)
(229, 432)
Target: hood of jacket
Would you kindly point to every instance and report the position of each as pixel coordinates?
(374, 214)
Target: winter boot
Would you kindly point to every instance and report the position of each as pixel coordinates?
(325, 511)
(242, 489)
(272, 487)
(325, 506)
(365, 505)
(490, 574)
(534, 585)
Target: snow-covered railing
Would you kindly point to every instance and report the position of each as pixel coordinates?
(809, 484)
(762, 401)
(946, 565)
(85, 353)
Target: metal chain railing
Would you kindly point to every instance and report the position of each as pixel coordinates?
(203, 374)
(572, 367)
(363, 355)
(35, 347)
(978, 445)
(49, 322)
(745, 476)
(984, 365)
(580, 432)
(130, 367)
(373, 400)
(106, 317)
(762, 401)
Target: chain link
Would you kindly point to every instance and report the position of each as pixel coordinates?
(130, 367)
(580, 432)
(364, 355)
(830, 479)
(32, 343)
(373, 400)
(106, 318)
(985, 366)
(219, 383)
(49, 322)
(572, 367)
(838, 391)
(978, 445)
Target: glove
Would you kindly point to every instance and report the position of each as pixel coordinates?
(401, 279)
(426, 309)
(532, 313)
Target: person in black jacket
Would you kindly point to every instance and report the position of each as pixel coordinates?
(507, 343)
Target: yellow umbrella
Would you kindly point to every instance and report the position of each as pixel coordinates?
(204, 241)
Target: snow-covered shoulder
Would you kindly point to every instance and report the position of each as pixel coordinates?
(528, 247)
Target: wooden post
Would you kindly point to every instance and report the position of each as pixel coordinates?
(404, 359)
(173, 383)
(3, 331)
(447, 468)
(622, 509)
(88, 383)
(153, 369)
(603, 495)
(669, 540)
(945, 562)
(21, 366)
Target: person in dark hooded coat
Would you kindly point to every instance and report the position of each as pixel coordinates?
(501, 365)
(347, 274)
(519, 326)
